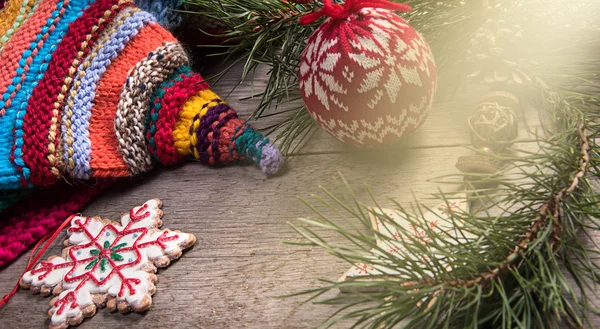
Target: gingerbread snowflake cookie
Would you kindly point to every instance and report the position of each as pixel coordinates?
(108, 264)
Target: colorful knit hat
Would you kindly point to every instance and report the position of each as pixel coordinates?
(97, 90)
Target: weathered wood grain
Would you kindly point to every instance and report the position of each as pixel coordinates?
(231, 277)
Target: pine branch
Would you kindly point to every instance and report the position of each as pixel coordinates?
(486, 287)
(267, 33)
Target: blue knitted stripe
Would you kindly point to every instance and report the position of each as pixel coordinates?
(28, 53)
(83, 100)
(16, 112)
(9, 173)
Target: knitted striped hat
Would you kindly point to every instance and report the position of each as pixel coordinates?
(98, 89)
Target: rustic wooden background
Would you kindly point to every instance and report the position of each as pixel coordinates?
(232, 276)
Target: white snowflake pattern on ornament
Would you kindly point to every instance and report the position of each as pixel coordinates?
(380, 128)
(384, 56)
(368, 78)
(108, 264)
(318, 70)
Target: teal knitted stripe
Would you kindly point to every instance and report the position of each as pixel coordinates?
(249, 143)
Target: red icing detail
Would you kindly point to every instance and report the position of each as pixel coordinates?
(135, 217)
(449, 209)
(80, 226)
(130, 287)
(47, 267)
(69, 298)
(162, 238)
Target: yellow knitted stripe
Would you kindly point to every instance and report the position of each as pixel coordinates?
(10, 12)
(194, 105)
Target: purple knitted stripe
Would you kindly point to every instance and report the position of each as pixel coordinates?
(204, 128)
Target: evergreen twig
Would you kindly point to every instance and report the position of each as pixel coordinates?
(533, 265)
(513, 275)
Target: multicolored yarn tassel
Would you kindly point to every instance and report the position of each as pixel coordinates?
(99, 89)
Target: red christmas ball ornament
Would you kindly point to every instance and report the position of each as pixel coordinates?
(367, 77)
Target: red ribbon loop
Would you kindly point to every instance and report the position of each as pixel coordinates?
(339, 12)
(35, 256)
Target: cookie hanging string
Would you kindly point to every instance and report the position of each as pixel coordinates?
(34, 257)
(339, 12)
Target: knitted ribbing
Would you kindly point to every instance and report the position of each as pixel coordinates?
(135, 100)
(209, 132)
(13, 172)
(39, 149)
(90, 88)
(205, 127)
(69, 115)
(40, 213)
(9, 13)
(186, 128)
(106, 159)
(252, 145)
(77, 102)
(54, 152)
(171, 103)
(157, 96)
(85, 93)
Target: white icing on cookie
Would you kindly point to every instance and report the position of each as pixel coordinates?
(109, 259)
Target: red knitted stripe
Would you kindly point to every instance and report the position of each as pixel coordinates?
(42, 212)
(39, 115)
(227, 135)
(171, 103)
(106, 159)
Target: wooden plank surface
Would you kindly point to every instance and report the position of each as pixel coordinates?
(446, 125)
(231, 277)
